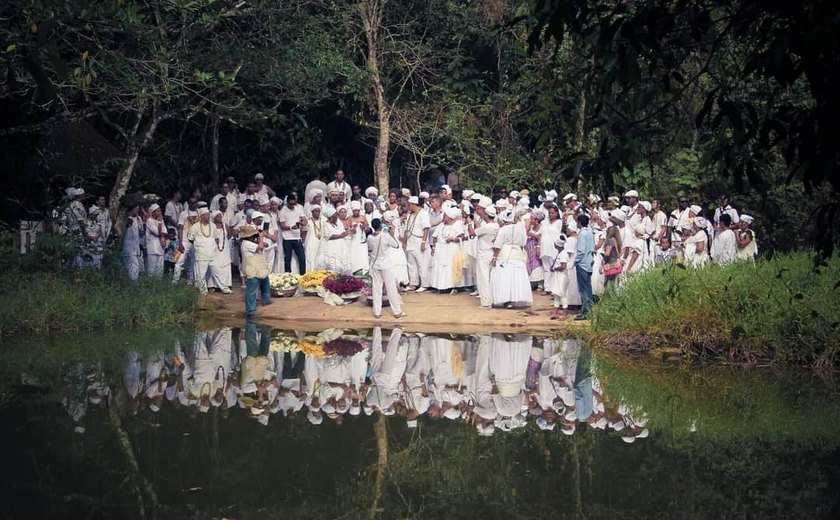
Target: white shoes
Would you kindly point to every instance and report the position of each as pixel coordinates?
(225, 290)
(421, 289)
(474, 293)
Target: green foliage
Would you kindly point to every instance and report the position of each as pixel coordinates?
(781, 309)
(43, 298)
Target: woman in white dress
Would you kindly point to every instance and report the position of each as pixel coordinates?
(447, 272)
(695, 242)
(469, 245)
(314, 228)
(332, 252)
(223, 256)
(550, 231)
(509, 277)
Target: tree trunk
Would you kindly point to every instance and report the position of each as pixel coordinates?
(580, 139)
(371, 12)
(127, 171)
(381, 430)
(216, 182)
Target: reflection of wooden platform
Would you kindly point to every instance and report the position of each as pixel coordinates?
(425, 312)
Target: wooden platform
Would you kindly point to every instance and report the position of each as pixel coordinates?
(425, 312)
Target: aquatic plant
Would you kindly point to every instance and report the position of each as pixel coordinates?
(782, 309)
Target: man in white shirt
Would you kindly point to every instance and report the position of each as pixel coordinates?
(226, 194)
(381, 271)
(485, 235)
(415, 241)
(132, 256)
(186, 219)
(341, 185)
(156, 236)
(678, 219)
(261, 188)
(205, 239)
(173, 209)
(291, 219)
(725, 244)
(724, 208)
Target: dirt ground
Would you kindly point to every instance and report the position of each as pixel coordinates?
(425, 312)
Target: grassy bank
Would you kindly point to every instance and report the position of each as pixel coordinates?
(780, 310)
(41, 303)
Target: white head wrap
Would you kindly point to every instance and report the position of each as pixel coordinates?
(446, 188)
(514, 194)
(466, 194)
(700, 222)
(390, 215)
(453, 213)
(507, 216)
(569, 196)
(632, 193)
(203, 211)
(618, 214)
(355, 205)
(645, 204)
(413, 200)
(371, 192)
(695, 209)
(424, 195)
(329, 211)
(263, 199)
(153, 208)
(275, 200)
(259, 177)
(747, 218)
(491, 211)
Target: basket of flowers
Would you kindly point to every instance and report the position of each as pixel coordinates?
(310, 281)
(282, 343)
(312, 349)
(343, 347)
(345, 285)
(285, 284)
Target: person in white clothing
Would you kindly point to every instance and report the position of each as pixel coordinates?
(725, 244)
(550, 231)
(485, 234)
(186, 219)
(314, 228)
(223, 253)
(695, 239)
(132, 255)
(416, 240)
(447, 257)
(724, 208)
(747, 246)
(291, 220)
(205, 238)
(341, 185)
(509, 277)
(173, 210)
(378, 245)
(331, 253)
(156, 237)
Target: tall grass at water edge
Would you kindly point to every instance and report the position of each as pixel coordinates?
(782, 309)
(44, 302)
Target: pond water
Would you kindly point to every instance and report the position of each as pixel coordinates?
(252, 422)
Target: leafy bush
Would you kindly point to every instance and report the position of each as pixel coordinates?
(782, 309)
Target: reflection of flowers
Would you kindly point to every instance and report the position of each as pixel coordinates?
(314, 278)
(343, 347)
(284, 344)
(312, 349)
(344, 284)
(283, 282)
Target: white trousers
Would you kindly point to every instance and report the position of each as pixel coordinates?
(185, 263)
(207, 270)
(154, 265)
(418, 262)
(133, 266)
(386, 277)
(482, 278)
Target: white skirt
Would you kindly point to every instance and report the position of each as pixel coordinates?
(441, 276)
(509, 282)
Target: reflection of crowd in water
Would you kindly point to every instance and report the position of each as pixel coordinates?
(490, 381)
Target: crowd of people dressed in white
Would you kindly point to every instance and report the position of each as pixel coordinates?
(500, 250)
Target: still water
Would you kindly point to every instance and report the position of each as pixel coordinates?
(252, 422)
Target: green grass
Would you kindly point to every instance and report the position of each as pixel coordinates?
(782, 310)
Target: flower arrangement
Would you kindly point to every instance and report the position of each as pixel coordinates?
(312, 349)
(344, 284)
(314, 278)
(284, 281)
(284, 344)
(343, 347)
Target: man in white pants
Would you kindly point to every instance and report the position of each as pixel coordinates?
(415, 243)
(205, 238)
(186, 219)
(132, 255)
(485, 236)
(380, 270)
